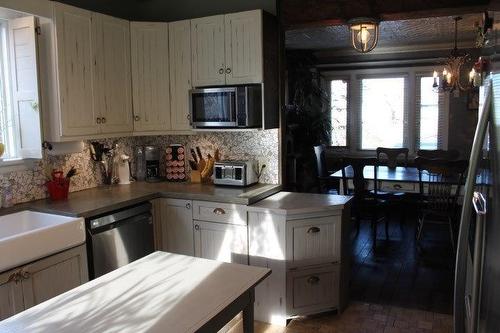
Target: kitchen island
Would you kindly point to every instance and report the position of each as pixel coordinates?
(162, 292)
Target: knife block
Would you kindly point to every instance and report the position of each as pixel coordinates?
(195, 176)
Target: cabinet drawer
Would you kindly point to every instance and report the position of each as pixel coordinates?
(398, 187)
(219, 212)
(315, 239)
(313, 289)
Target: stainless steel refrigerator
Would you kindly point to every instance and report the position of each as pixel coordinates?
(477, 276)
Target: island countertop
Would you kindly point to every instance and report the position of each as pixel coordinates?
(102, 199)
(162, 292)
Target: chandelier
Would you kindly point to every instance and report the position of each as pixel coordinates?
(450, 79)
(364, 34)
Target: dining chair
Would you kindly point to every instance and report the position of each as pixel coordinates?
(366, 200)
(327, 184)
(392, 157)
(450, 155)
(440, 181)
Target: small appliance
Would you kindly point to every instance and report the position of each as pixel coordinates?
(152, 156)
(123, 167)
(236, 173)
(227, 107)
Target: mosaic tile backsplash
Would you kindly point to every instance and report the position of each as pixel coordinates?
(263, 146)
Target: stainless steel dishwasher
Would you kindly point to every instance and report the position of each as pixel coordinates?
(119, 238)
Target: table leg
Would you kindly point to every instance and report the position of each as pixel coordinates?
(248, 314)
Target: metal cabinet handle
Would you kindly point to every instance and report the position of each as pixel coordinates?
(313, 280)
(25, 275)
(98, 120)
(221, 71)
(188, 206)
(397, 187)
(228, 70)
(313, 230)
(219, 211)
(103, 120)
(137, 118)
(196, 227)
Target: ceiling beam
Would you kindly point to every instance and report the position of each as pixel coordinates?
(315, 13)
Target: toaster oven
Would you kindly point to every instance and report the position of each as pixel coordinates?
(235, 173)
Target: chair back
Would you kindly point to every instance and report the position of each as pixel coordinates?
(319, 152)
(391, 156)
(440, 181)
(358, 165)
(450, 155)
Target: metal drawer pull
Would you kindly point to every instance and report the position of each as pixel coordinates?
(188, 206)
(221, 71)
(25, 275)
(196, 227)
(228, 70)
(313, 280)
(219, 211)
(313, 230)
(137, 118)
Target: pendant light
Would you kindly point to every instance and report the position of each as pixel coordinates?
(364, 33)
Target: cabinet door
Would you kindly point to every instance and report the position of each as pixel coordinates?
(11, 295)
(113, 72)
(207, 49)
(150, 76)
(177, 227)
(180, 73)
(243, 47)
(54, 275)
(220, 241)
(76, 70)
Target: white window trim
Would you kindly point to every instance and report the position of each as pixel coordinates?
(354, 104)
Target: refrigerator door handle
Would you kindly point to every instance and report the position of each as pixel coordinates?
(479, 204)
(463, 234)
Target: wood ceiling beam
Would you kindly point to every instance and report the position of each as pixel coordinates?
(298, 14)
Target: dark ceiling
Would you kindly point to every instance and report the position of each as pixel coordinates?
(170, 10)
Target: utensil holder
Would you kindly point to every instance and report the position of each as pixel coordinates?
(58, 189)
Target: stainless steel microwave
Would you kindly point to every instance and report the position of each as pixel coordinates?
(226, 107)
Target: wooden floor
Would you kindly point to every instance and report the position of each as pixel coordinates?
(398, 274)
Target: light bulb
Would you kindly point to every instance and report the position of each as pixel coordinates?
(363, 35)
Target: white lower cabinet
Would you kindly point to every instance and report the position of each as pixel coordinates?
(31, 284)
(221, 241)
(177, 226)
(309, 258)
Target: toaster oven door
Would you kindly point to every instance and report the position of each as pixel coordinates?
(214, 107)
(230, 175)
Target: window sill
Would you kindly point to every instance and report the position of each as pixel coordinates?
(16, 164)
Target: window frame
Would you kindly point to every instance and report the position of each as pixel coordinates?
(354, 104)
(347, 79)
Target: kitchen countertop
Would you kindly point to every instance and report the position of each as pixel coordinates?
(162, 292)
(103, 199)
(290, 203)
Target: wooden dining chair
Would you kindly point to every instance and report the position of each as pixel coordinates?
(440, 181)
(327, 184)
(392, 157)
(450, 155)
(366, 200)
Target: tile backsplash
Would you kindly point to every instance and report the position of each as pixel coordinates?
(262, 146)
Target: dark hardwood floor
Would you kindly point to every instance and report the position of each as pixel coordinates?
(397, 273)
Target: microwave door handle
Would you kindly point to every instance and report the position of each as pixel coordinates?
(234, 104)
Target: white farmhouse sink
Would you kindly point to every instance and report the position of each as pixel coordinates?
(26, 236)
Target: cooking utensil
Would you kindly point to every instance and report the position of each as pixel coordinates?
(193, 154)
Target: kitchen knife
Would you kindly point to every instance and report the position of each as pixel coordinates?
(193, 154)
(198, 150)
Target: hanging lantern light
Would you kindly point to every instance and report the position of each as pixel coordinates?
(364, 34)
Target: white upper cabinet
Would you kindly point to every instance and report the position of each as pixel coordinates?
(243, 42)
(180, 73)
(150, 76)
(114, 97)
(207, 49)
(76, 71)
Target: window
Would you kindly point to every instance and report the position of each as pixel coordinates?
(387, 107)
(338, 103)
(20, 129)
(428, 112)
(382, 112)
